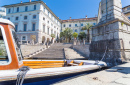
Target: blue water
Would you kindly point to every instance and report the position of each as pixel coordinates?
(53, 81)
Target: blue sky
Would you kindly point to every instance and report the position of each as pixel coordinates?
(69, 8)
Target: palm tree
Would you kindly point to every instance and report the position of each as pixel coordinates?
(62, 35)
(88, 28)
(68, 33)
(82, 35)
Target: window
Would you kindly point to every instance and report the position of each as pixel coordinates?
(8, 18)
(44, 28)
(69, 25)
(35, 7)
(44, 18)
(48, 22)
(34, 16)
(25, 27)
(17, 18)
(48, 13)
(33, 27)
(25, 17)
(3, 52)
(24, 38)
(44, 9)
(94, 24)
(128, 8)
(75, 30)
(64, 25)
(16, 27)
(82, 25)
(9, 10)
(48, 31)
(75, 25)
(17, 9)
(26, 8)
(51, 31)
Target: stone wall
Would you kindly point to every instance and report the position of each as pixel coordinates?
(114, 38)
(83, 49)
(29, 49)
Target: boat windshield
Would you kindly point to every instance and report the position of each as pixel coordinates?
(3, 52)
(17, 46)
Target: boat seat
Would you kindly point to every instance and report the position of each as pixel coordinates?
(72, 63)
(44, 64)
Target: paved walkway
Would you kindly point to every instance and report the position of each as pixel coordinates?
(71, 54)
(119, 75)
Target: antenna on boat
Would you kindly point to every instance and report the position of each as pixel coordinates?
(2, 12)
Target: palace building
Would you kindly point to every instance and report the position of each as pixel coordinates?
(77, 24)
(34, 21)
(126, 11)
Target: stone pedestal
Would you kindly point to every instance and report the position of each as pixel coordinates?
(111, 37)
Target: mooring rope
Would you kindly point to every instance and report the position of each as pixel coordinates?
(104, 54)
(96, 62)
(21, 75)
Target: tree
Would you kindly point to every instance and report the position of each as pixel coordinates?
(88, 28)
(68, 33)
(82, 35)
(53, 35)
(75, 34)
(62, 35)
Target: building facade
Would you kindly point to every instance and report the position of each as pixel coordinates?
(126, 11)
(77, 24)
(34, 21)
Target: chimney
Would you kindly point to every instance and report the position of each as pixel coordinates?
(86, 16)
(70, 17)
(21, 2)
(29, 0)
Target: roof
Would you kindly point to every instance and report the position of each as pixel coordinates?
(6, 21)
(126, 7)
(77, 20)
(33, 2)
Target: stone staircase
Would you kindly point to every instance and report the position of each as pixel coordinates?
(55, 52)
(71, 54)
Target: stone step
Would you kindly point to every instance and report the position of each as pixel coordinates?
(55, 51)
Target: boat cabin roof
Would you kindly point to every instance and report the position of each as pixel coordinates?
(6, 22)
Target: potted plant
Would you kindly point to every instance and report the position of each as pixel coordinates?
(75, 35)
(53, 36)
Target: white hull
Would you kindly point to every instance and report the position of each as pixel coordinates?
(6, 75)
